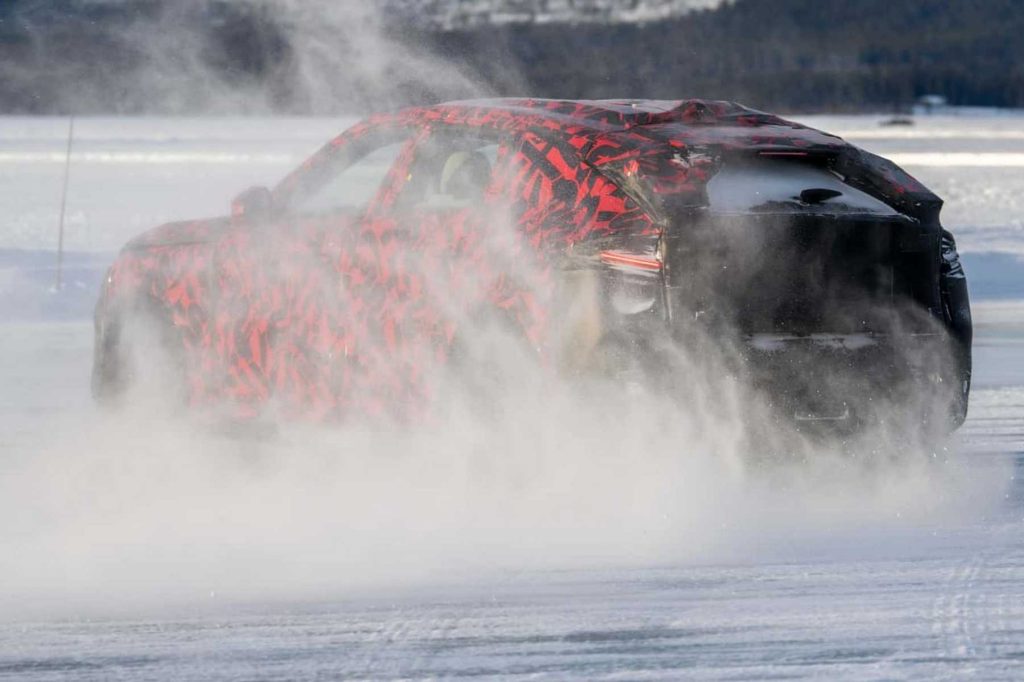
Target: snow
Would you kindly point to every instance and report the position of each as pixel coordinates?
(130, 174)
(972, 161)
(852, 596)
(138, 549)
(459, 13)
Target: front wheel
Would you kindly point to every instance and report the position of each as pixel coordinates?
(138, 357)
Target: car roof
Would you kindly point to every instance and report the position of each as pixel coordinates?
(608, 129)
(689, 122)
(609, 112)
(611, 130)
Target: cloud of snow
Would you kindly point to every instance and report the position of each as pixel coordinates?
(134, 510)
(201, 57)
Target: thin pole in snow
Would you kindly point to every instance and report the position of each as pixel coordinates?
(64, 203)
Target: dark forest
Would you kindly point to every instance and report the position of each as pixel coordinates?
(786, 55)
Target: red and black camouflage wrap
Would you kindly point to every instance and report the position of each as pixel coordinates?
(336, 317)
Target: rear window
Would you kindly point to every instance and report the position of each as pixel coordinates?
(776, 186)
(667, 181)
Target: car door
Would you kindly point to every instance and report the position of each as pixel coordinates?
(464, 263)
(293, 325)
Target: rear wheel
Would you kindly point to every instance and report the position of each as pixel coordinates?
(490, 362)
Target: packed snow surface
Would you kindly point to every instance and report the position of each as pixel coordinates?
(615, 546)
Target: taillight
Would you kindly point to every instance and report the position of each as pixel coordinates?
(631, 260)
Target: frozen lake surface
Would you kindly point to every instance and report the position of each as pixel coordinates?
(130, 174)
(139, 550)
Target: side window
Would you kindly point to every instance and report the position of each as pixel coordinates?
(347, 173)
(351, 189)
(451, 171)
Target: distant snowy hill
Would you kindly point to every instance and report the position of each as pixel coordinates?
(449, 14)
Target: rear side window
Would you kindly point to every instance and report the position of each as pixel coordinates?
(452, 169)
(663, 180)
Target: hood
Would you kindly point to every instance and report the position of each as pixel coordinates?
(179, 233)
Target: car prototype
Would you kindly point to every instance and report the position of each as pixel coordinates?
(588, 229)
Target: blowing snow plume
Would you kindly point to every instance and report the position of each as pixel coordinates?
(198, 57)
(517, 468)
(130, 510)
(523, 462)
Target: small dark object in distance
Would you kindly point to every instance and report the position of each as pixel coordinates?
(897, 121)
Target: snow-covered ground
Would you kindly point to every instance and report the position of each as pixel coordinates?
(132, 549)
(975, 163)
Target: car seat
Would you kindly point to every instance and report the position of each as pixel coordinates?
(465, 176)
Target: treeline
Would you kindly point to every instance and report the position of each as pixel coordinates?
(775, 54)
(138, 56)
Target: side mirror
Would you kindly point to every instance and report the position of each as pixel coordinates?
(255, 203)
